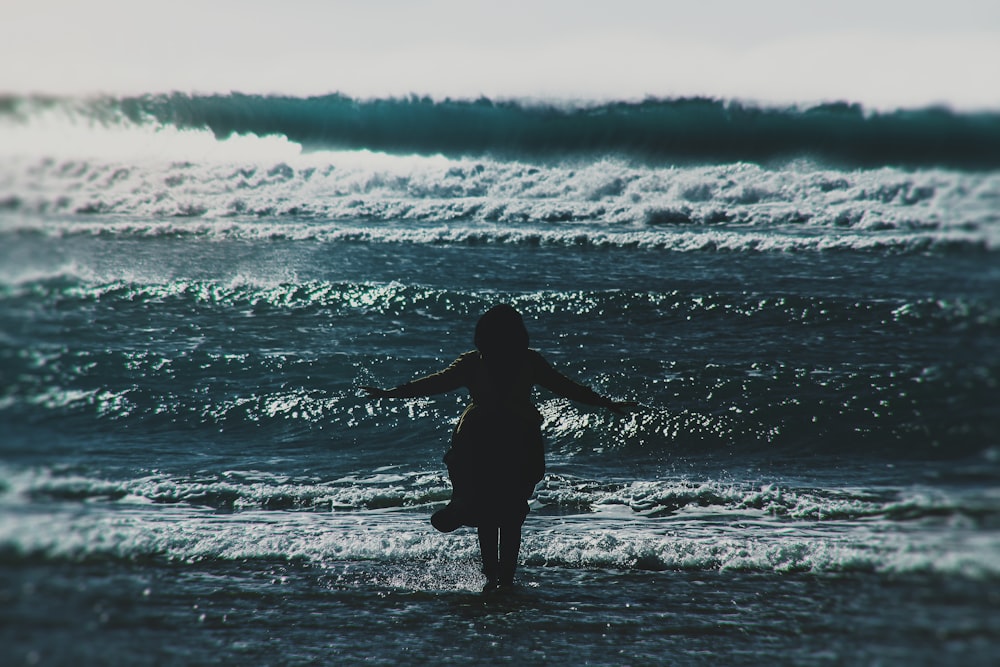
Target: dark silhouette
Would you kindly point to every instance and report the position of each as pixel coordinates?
(496, 455)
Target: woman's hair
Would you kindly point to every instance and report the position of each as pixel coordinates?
(500, 333)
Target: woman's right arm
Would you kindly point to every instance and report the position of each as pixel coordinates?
(449, 379)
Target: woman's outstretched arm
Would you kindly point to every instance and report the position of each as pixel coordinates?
(557, 383)
(449, 379)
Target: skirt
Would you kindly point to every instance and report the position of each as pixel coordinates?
(494, 462)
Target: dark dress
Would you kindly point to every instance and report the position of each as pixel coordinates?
(497, 454)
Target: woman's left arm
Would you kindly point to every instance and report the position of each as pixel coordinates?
(556, 382)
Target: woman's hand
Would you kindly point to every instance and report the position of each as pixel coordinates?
(375, 392)
(621, 407)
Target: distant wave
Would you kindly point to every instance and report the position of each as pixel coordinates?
(363, 196)
(745, 240)
(686, 130)
(900, 410)
(69, 289)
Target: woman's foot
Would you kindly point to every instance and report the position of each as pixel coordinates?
(493, 584)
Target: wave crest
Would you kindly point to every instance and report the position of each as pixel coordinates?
(660, 130)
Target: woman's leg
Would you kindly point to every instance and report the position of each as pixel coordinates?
(488, 547)
(510, 546)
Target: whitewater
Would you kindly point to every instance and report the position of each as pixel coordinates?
(804, 302)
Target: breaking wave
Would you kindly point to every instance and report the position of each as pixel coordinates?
(658, 130)
(656, 525)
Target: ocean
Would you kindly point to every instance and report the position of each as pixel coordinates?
(803, 301)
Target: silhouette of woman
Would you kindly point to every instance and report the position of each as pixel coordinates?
(496, 456)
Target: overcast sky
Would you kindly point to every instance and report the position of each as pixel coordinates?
(880, 52)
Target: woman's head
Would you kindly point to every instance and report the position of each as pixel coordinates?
(500, 332)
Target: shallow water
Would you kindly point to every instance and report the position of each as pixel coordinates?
(281, 613)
